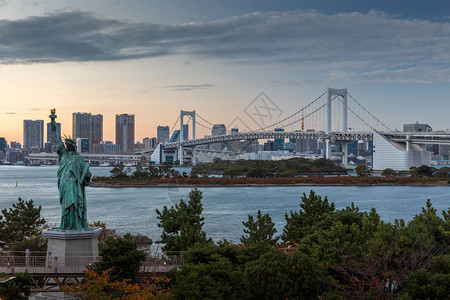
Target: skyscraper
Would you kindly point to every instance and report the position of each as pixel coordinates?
(218, 129)
(280, 141)
(82, 126)
(33, 133)
(97, 129)
(125, 132)
(88, 126)
(3, 144)
(149, 143)
(162, 134)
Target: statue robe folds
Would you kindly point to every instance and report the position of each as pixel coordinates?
(73, 176)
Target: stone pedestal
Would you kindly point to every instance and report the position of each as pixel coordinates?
(69, 250)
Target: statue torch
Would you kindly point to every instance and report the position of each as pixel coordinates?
(52, 114)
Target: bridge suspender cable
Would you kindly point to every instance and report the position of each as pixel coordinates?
(368, 112)
(296, 113)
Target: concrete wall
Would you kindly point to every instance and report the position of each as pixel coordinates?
(387, 154)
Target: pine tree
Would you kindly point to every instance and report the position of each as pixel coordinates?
(182, 224)
(314, 212)
(21, 222)
(261, 230)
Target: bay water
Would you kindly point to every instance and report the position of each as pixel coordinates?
(133, 209)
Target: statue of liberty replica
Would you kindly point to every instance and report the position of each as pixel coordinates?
(73, 244)
(73, 177)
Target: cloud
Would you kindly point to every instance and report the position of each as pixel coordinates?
(188, 87)
(349, 44)
(10, 113)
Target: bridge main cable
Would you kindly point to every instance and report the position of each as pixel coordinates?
(296, 113)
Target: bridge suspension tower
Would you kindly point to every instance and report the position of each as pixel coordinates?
(343, 94)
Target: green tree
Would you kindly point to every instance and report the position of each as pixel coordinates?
(425, 171)
(118, 172)
(413, 171)
(363, 171)
(443, 172)
(260, 231)
(276, 275)
(430, 283)
(314, 210)
(17, 288)
(182, 224)
(215, 278)
(121, 254)
(21, 222)
(388, 173)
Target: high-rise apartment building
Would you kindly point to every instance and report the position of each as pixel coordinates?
(88, 126)
(279, 142)
(50, 135)
(125, 132)
(82, 126)
(97, 129)
(218, 129)
(33, 133)
(163, 134)
(234, 145)
(149, 143)
(3, 144)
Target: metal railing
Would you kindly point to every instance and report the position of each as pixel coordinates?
(46, 263)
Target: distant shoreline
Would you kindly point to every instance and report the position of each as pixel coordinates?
(268, 182)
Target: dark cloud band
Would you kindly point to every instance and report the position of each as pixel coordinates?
(349, 41)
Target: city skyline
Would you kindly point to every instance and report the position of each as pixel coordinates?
(216, 57)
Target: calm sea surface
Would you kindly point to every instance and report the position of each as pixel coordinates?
(133, 209)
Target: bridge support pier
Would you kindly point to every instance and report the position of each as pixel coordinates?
(327, 149)
(344, 154)
(180, 155)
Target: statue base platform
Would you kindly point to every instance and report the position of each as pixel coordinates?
(71, 250)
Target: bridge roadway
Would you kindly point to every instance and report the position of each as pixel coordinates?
(413, 137)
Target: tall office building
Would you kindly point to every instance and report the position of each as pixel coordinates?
(50, 136)
(149, 143)
(176, 134)
(163, 134)
(234, 145)
(88, 126)
(125, 132)
(279, 142)
(306, 145)
(97, 129)
(218, 129)
(82, 126)
(185, 132)
(3, 144)
(33, 133)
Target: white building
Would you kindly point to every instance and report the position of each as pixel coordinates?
(397, 156)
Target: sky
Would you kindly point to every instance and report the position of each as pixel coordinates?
(155, 58)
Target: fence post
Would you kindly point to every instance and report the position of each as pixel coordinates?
(56, 264)
(27, 258)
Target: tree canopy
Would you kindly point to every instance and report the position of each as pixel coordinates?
(182, 224)
(260, 231)
(19, 224)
